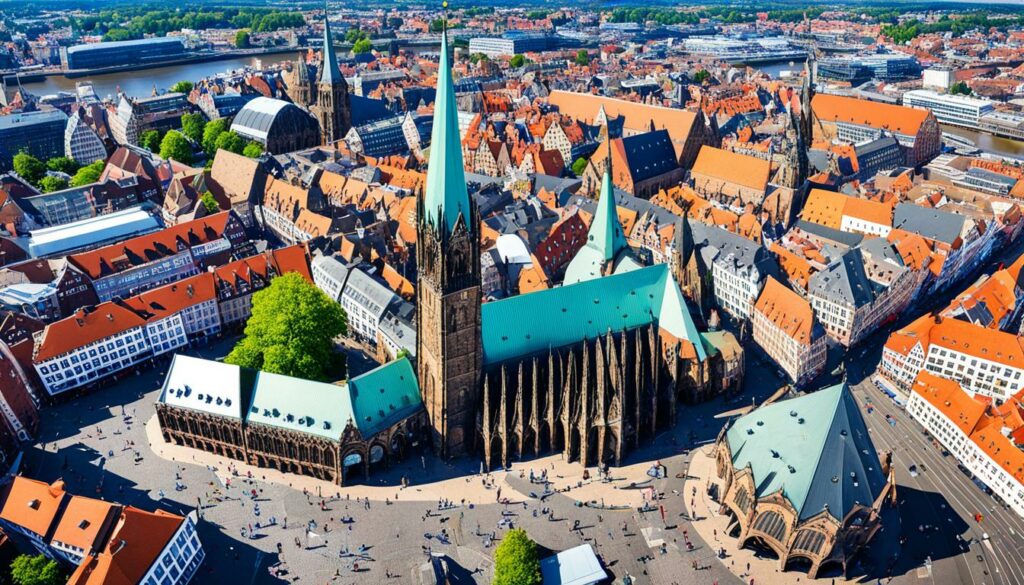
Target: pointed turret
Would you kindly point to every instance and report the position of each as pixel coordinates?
(605, 232)
(684, 239)
(446, 195)
(605, 238)
(329, 71)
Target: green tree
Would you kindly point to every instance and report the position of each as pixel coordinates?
(243, 39)
(960, 88)
(118, 34)
(29, 167)
(35, 570)
(253, 149)
(50, 183)
(701, 76)
(362, 46)
(175, 145)
(230, 141)
(582, 57)
(192, 126)
(578, 166)
(354, 35)
(437, 25)
(475, 58)
(517, 61)
(63, 164)
(209, 202)
(211, 132)
(150, 140)
(395, 22)
(291, 330)
(182, 87)
(516, 560)
(88, 174)
(402, 353)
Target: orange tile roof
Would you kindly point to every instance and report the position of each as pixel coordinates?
(824, 208)
(172, 298)
(292, 259)
(1001, 450)
(84, 328)
(189, 233)
(398, 283)
(787, 310)
(404, 213)
(904, 340)
(796, 268)
(970, 339)
(137, 541)
(868, 210)
(949, 398)
(82, 522)
(313, 223)
(638, 117)
(741, 169)
(33, 504)
(835, 108)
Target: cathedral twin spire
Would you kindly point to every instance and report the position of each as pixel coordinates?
(330, 73)
(446, 195)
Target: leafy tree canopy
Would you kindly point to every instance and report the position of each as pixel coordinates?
(88, 174)
(291, 330)
(49, 184)
(175, 145)
(253, 149)
(243, 39)
(63, 164)
(35, 570)
(211, 132)
(582, 57)
(517, 61)
(516, 560)
(701, 76)
(192, 126)
(150, 140)
(182, 87)
(362, 46)
(230, 141)
(960, 88)
(578, 166)
(29, 167)
(209, 202)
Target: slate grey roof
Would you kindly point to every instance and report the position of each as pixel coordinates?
(880, 249)
(368, 292)
(933, 224)
(827, 233)
(815, 449)
(718, 245)
(649, 154)
(627, 201)
(844, 280)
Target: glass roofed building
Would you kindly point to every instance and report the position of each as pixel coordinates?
(278, 125)
(333, 432)
(802, 479)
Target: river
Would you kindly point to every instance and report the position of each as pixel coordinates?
(988, 142)
(140, 83)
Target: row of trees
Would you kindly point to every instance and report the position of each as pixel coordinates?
(34, 171)
(127, 22)
(195, 130)
(910, 29)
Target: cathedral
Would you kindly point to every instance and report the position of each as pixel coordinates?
(592, 368)
(326, 95)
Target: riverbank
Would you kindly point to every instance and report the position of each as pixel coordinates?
(200, 58)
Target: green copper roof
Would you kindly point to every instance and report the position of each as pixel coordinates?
(384, 396)
(557, 317)
(300, 405)
(373, 401)
(605, 239)
(329, 71)
(446, 196)
(814, 448)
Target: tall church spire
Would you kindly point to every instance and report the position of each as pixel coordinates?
(605, 232)
(329, 71)
(446, 195)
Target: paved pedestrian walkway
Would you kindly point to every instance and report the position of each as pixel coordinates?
(565, 478)
(712, 526)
